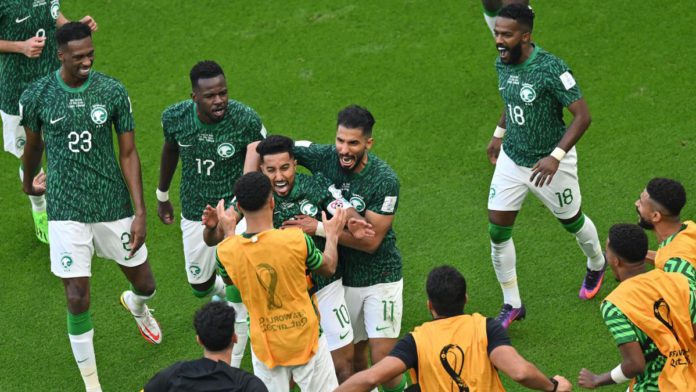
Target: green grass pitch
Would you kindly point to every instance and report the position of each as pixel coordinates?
(425, 69)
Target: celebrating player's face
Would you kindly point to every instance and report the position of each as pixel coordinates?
(77, 58)
(210, 96)
(280, 169)
(644, 209)
(508, 40)
(352, 146)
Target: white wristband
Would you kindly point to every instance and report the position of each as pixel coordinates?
(558, 153)
(617, 375)
(499, 132)
(320, 230)
(162, 196)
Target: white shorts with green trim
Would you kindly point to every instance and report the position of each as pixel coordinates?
(375, 311)
(73, 244)
(510, 185)
(335, 319)
(199, 258)
(13, 135)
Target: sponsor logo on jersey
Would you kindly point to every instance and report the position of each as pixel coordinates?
(206, 137)
(358, 203)
(527, 93)
(513, 79)
(308, 208)
(55, 120)
(76, 103)
(20, 20)
(66, 261)
(39, 3)
(99, 114)
(55, 9)
(225, 150)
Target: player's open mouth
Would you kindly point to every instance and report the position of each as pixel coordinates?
(281, 187)
(219, 112)
(84, 71)
(346, 160)
(503, 52)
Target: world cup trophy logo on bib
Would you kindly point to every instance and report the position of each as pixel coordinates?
(452, 360)
(268, 278)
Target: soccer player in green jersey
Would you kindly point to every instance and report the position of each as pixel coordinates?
(653, 323)
(27, 52)
(88, 198)
(537, 148)
(372, 266)
(210, 134)
(299, 201)
(491, 8)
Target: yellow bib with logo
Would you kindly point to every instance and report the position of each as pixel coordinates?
(657, 302)
(683, 246)
(453, 356)
(269, 269)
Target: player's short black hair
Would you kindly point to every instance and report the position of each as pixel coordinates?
(72, 31)
(275, 144)
(521, 13)
(356, 117)
(214, 324)
(629, 242)
(446, 288)
(204, 70)
(252, 191)
(669, 193)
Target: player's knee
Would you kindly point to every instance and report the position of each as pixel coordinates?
(78, 300)
(499, 234)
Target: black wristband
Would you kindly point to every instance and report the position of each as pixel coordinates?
(555, 384)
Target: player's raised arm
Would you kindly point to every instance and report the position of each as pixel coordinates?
(509, 361)
(333, 227)
(252, 162)
(632, 364)
(86, 20)
(168, 162)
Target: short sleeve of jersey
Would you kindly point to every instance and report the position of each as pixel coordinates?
(692, 307)
(123, 118)
(28, 110)
(386, 199)
(497, 336)
(406, 351)
(562, 83)
(683, 267)
(167, 126)
(221, 268)
(314, 255)
(311, 155)
(618, 324)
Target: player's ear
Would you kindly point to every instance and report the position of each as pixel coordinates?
(198, 340)
(368, 144)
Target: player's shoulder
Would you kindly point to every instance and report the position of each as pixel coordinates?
(107, 80)
(385, 171)
(178, 110)
(550, 61)
(239, 109)
(39, 87)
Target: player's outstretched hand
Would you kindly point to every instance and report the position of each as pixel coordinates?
(209, 217)
(89, 22)
(227, 218)
(334, 226)
(360, 228)
(38, 185)
(563, 384)
(544, 170)
(138, 234)
(165, 211)
(33, 47)
(493, 149)
(587, 379)
(304, 222)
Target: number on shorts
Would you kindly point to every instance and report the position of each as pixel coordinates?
(565, 198)
(388, 305)
(516, 114)
(80, 141)
(342, 315)
(125, 241)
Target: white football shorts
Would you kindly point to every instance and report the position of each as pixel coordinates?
(375, 311)
(510, 185)
(335, 319)
(13, 135)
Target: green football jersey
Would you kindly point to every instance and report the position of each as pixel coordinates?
(84, 181)
(375, 188)
(19, 21)
(624, 331)
(535, 93)
(212, 155)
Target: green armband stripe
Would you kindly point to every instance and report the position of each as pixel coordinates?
(79, 323)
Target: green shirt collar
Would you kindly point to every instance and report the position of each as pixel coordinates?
(198, 120)
(69, 89)
(529, 59)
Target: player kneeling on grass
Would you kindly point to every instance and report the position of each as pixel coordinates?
(652, 316)
(89, 204)
(214, 324)
(269, 267)
(455, 351)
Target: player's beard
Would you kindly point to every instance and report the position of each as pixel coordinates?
(642, 222)
(358, 160)
(515, 53)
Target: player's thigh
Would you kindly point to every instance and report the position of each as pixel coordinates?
(383, 309)
(71, 248)
(199, 258)
(335, 319)
(112, 241)
(355, 300)
(13, 135)
(562, 197)
(275, 379)
(318, 374)
(508, 185)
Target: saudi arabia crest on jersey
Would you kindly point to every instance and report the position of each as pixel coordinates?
(308, 208)
(55, 9)
(358, 203)
(99, 114)
(225, 150)
(527, 93)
